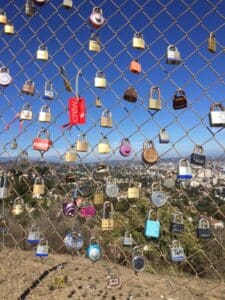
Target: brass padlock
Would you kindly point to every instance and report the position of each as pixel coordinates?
(71, 155)
(44, 114)
(100, 80)
(149, 154)
(179, 99)
(212, 42)
(68, 3)
(130, 94)
(98, 102)
(26, 112)
(38, 187)
(42, 53)
(106, 119)
(29, 8)
(94, 43)
(18, 206)
(28, 88)
(107, 217)
(103, 146)
(155, 99)
(9, 28)
(138, 41)
(60, 278)
(98, 196)
(82, 143)
(133, 191)
(3, 17)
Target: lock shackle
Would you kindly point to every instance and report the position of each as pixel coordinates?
(125, 141)
(97, 9)
(42, 47)
(212, 35)
(48, 85)
(105, 205)
(43, 241)
(155, 90)
(104, 140)
(100, 74)
(217, 105)
(172, 48)
(203, 223)
(162, 130)
(184, 162)
(3, 180)
(29, 82)
(107, 113)
(77, 82)
(178, 217)
(43, 131)
(82, 137)
(128, 234)
(138, 35)
(148, 144)
(150, 212)
(198, 148)
(156, 185)
(133, 183)
(45, 108)
(113, 270)
(39, 180)
(137, 251)
(93, 241)
(2, 12)
(95, 37)
(18, 200)
(4, 69)
(179, 92)
(26, 106)
(34, 228)
(176, 244)
(110, 179)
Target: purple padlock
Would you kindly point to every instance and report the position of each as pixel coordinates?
(69, 209)
(87, 211)
(125, 148)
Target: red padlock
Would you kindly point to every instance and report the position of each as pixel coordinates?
(77, 111)
(42, 144)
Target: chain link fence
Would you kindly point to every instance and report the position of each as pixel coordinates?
(134, 171)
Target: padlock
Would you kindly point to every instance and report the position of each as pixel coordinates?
(106, 119)
(197, 157)
(138, 259)
(101, 171)
(177, 252)
(217, 118)
(96, 18)
(42, 248)
(152, 227)
(68, 3)
(125, 148)
(93, 251)
(149, 153)
(103, 146)
(3, 186)
(13, 144)
(28, 88)
(82, 143)
(42, 52)
(42, 144)
(26, 112)
(163, 136)
(158, 198)
(113, 280)
(9, 28)
(133, 191)
(34, 235)
(94, 43)
(169, 182)
(173, 55)
(107, 219)
(100, 80)
(60, 278)
(135, 66)
(29, 8)
(38, 187)
(3, 17)
(98, 196)
(44, 114)
(155, 99)
(18, 206)
(203, 230)
(5, 77)
(98, 102)
(48, 92)
(127, 239)
(77, 111)
(87, 209)
(111, 188)
(212, 42)
(39, 2)
(71, 155)
(184, 170)
(138, 41)
(69, 209)
(177, 223)
(130, 94)
(179, 99)
(74, 241)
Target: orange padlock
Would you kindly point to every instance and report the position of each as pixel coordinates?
(135, 66)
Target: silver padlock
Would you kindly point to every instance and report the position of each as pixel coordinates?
(127, 239)
(177, 252)
(100, 80)
(29, 8)
(173, 55)
(158, 197)
(26, 112)
(217, 118)
(48, 93)
(5, 77)
(44, 114)
(138, 259)
(34, 235)
(3, 186)
(184, 170)
(42, 248)
(42, 52)
(164, 136)
(111, 189)
(68, 3)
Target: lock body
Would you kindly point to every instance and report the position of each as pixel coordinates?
(128, 240)
(93, 252)
(42, 248)
(106, 119)
(212, 42)
(217, 118)
(70, 156)
(26, 114)
(184, 170)
(133, 192)
(152, 229)
(33, 235)
(48, 92)
(135, 67)
(100, 80)
(9, 28)
(3, 17)
(138, 41)
(94, 43)
(173, 55)
(177, 252)
(163, 137)
(29, 8)
(179, 99)
(68, 3)
(98, 197)
(38, 187)
(103, 146)
(155, 99)
(203, 230)
(28, 88)
(44, 114)
(177, 223)
(42, 53)
(69, 209)
(149, 153)
(198, 159)
(96, 18)
(3, 187)
(130, 94)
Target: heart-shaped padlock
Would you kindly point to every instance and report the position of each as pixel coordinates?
(125, 148)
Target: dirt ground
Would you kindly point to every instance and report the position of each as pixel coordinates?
(24, 276)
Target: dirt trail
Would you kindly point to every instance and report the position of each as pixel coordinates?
(20, 271)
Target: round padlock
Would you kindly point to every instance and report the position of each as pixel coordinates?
(96, 18)
(5, 78)
(149, 154)
(125, 148)
(158, 198)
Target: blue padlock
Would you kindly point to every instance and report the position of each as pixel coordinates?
(93, 251)
(152, 228)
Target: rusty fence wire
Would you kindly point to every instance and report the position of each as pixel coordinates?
(144, 166)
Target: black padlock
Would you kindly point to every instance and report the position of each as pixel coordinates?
(177, 223)
(203, 230)
(197, 157)
(130, 94)
(179, 99)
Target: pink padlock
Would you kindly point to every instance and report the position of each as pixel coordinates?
(87, 211)
(125, 148)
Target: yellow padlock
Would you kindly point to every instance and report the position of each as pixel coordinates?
(212, 42)
(3, 17)
(100, 80)
(103, 146)
(18, 206)
(42, 52)
(138, 41)
(107, 221)
(155, 99)
(71, 155)
(38, 187)
(133, 191)
(9, 28)
(98, 102)
(94, 43)
(98, 196)
(106, 119)
(82, 143)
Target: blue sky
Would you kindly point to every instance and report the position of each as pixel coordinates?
(66, 33)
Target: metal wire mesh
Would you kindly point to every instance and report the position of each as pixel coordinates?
(199, 73)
